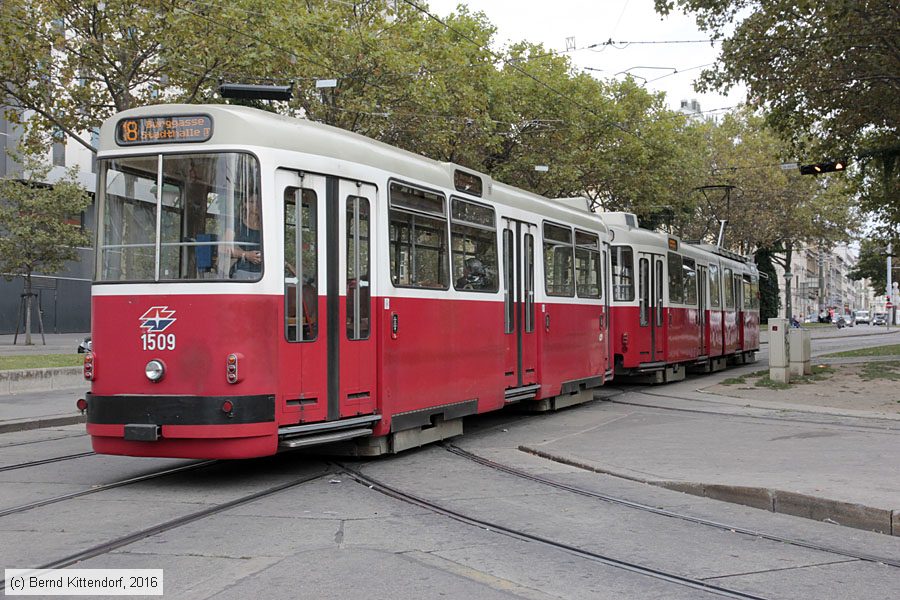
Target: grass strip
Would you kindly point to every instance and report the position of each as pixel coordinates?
(890, 350)
(880, 370)
(39, 361)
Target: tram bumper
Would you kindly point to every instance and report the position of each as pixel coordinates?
(183, 426)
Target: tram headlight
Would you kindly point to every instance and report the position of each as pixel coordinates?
(155, 370)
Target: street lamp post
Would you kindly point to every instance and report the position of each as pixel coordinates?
(890, 287)
(788, 308)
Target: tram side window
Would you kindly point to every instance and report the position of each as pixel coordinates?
(676, 279)
(359, 293)
(418, 238)
(748, 293)
(473, 239)
(558, 272)
(644, 290)
(301, 258)
(528, 251)
(690, 281)
(509, 283)
(729, 288)
(715, 287)
(754, 293)
(623, 273)
(588, 273)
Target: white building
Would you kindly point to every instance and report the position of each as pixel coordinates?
(820, 281)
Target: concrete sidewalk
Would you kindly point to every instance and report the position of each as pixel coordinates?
(36, 410)
(833, 465)
(36, 398)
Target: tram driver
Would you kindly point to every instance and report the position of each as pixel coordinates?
(244, 241)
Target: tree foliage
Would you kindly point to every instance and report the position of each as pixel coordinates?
(75, 63)
(872, 263)
(826, 72)
(769, 301)
(768, 206)
(436, 88)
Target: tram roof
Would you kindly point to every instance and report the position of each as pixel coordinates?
(625, 229)
(246, 126)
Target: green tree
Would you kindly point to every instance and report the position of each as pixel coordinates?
(769, 301)
(66, 66)
(769, 207)
(35, 233)
(872, 263)
(826, 71)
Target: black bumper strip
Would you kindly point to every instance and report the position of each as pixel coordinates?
(423, 417)
(179, 410)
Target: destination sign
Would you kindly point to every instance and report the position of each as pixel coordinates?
(163, 130)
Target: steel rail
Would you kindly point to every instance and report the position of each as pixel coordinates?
(125, 540)
(668, 513)
(521, 535)
(103, 487)
(46, 461)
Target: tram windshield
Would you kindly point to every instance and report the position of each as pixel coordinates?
(180, 217)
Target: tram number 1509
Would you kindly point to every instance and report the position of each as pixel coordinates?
(158, 341)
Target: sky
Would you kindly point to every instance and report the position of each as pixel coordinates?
(596, 21)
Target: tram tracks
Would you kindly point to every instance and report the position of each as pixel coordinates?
(666, 576)
(45, 461)
(668, 513)
(104, 487)
(42, 441)
(890, 427)
(130, 538)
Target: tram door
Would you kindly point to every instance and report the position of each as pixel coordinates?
(519, 309)
(329, 363)
(651, 306)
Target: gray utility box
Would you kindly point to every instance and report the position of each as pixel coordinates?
(779, 350)
(799, 352)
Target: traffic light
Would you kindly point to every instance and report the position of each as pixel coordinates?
(823, 167)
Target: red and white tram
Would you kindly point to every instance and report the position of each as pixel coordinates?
(677, 306)
(265, 282)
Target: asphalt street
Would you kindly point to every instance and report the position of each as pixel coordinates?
(432, 523)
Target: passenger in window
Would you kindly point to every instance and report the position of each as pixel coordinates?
(474, 276)
(310, 302)
(247, 239)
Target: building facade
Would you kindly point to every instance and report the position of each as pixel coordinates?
(820, 281)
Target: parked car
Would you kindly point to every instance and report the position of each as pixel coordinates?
(879, 319)
(85, 346)
(862, 317)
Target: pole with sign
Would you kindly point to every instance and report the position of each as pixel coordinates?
(889, 308)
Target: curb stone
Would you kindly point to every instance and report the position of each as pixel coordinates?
(40, 423)
(41, 380)
(847, 514)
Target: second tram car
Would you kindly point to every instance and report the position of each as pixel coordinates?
(678, 306)
(265, 282)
